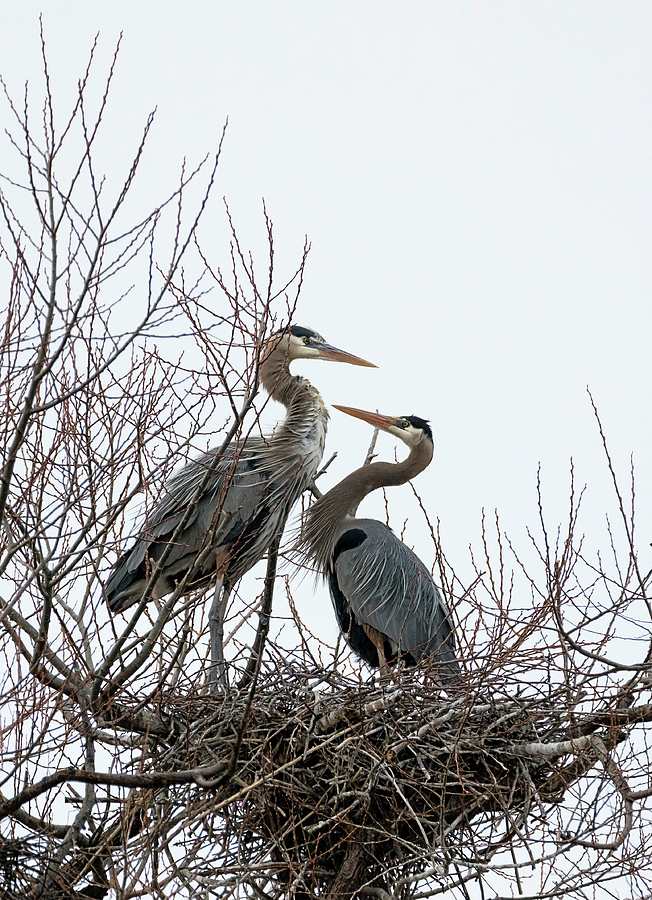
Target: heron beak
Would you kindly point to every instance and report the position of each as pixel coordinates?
(375, 419)
(335, 355)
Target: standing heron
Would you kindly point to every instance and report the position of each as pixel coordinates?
(386, 603)
(246, 499)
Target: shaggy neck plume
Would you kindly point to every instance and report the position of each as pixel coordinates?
(301, 437)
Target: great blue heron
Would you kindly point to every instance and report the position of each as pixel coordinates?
(386, 603)
(250, 491)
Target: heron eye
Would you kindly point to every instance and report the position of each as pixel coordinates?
(405, 424)
(306, 340)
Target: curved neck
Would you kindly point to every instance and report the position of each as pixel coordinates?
(346, 496)
(297, 444)
(326, 517)
(275, 375)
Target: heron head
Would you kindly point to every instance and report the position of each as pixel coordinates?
(304, 343)
(410, 429)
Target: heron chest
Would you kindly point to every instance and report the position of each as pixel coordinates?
(312, 445)
(305, 442)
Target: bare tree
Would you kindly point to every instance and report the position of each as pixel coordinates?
(124, 349)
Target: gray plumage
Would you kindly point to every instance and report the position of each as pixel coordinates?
(385, 600)
(251, 487)
(387, 586)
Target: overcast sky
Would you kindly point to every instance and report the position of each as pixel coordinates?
(475, 181)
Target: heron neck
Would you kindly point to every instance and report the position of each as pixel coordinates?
(276, 377)
(351, 491)
(327, 516)
(301, 437)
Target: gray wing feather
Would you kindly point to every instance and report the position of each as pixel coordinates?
(388, 587)
(240, 485)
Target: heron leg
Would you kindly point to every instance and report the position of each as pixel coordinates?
(218, 674)
(377, 638)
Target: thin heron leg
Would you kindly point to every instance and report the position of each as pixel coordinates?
(253, 663)
(378, 640)
(218, 674)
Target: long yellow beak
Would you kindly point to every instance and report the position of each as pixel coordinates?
(375, 419)
(336, 355)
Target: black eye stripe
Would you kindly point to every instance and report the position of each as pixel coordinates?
(416, 422)
(301, 332)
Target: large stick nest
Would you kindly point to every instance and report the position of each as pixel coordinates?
(365, 779)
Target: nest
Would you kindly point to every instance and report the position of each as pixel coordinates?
(19, 864)
(340, 784)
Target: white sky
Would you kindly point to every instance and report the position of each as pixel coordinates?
(475, 179)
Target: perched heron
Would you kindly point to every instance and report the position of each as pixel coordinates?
(386, 603)
(251, 488)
